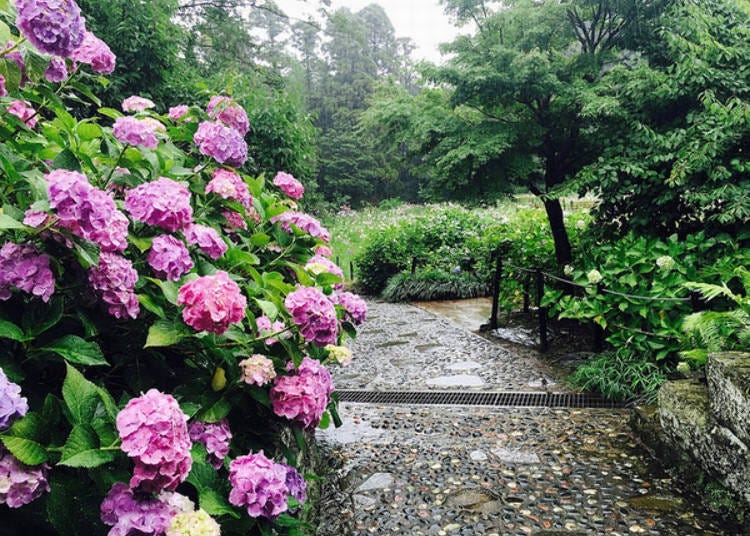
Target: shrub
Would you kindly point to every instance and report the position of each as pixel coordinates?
(146, 318)
(620, 375)
(434, 285)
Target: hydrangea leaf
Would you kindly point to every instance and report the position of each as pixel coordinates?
(215, 504)
(163, 333)
(81, 396)
(26, 450)
(82, 449)
(76, 350)
(9, 330)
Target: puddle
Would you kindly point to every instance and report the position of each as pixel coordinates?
(463, 365)
(468, 314)
(518, 335)
(460, 380)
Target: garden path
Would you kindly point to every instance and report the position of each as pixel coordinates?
(444, 470)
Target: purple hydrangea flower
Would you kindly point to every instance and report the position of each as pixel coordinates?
(154, 434)
(177, 112)
(56, 71)
(223, 144)
(227, 111)
(318, 263)
(355, 307)
(206, 238)
(95, 53)
(134, 103)
(53, 26)
(315, 315)
(18, 59)
(163, 203)
(234, 220)
(303, 222)
(289, 185)
(24, 268)
(128, 512)
(87, 211)
(296, 485)
(259, 485)
(12, 404)
(230, 185)
(215, 436)
(20, 484)
(265, 327)
(304, 395)
(114, 281)
(3, 91)
(135, 132)
(23, 111)
(169, 257)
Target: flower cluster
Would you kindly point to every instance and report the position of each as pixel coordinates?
(260, 485)
(12, 404)
(177, 112)
(114, 281)
(129, 513)
(24, 268)
(234, 220)
(215, 436)
(154, 434)
(206, 238)
(289, 185)
(3, 90)
(230, 185)
(319, 264)
(304, 395)
(95, 53)
(315, 315)
(257, 370)
(323, 251)
(227, 111)
(303, 222)
(134, 103)
(56, 71)
(53, 26)
(136, 132)
(266, 327)
(212, 302)
(169, 257)
(23, 111)
(196, 523)
(222, 143)
(665, 262)
(339, 354)
(296, 484)
(19, 483)
(87, 211)
(594, 277)
(163, 203)
(355, 307)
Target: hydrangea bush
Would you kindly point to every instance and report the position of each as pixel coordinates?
(166, 320)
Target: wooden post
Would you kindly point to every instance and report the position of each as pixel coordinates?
(351, 271)
(496, 289)
(413, 265)
(598, 331)
(543, 342)
(338, 260)
(526, 292)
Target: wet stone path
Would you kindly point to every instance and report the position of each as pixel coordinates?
(464, 470)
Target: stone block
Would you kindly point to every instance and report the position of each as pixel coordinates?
(728, 375)
(689, 427)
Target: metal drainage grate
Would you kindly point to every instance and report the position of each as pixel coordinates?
(463, 398)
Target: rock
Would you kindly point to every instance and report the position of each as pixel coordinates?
(464, 365)
(515, 456)
(363, 501)
(728, 375)
(477, 456)
(377, 481)
(460, 380)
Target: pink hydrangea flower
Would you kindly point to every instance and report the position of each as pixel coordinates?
(323, 251)
(266, 327)
(53, 26)
(230, 185)
(95, 53)
(227, 111)
(134, 103)
(56, 71)
(114, 281)
(86, 211)
(13, 406)
(259, 485)
(304, 395)
(215, 436)
(23, 111)
(20, 484)
(169, 257)
(128, 512)
(3, 90)
(303, 222)
(177, 112)
(154, 434)
(318, 262)
(222, 143)
(235, 220)
(206, 238)
(24, 268)
(212, 303)
(355, 307)
(135, 132)
(257, 370)
(315, 315)
(163, 203)
(289, 185)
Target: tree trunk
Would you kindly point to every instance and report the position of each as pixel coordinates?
(559, 233)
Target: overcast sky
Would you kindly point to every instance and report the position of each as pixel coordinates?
(422, 20)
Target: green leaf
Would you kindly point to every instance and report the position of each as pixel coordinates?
(77, 350)
(163, 333)
(260, 239)
(215, 412)
(12, 74)
(66, 160)
(26, 450)
(240, 257)
(215, 504)
(8, 330)
(89, 131)
(6, 222)
(325, 421)
(170, 289)
(80, 395)
(86, 252)
(150, 305)
(39, 317)
(202, 474)
(268, 308)
(82, 449)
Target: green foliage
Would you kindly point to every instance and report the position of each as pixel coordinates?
(620, 376)
(433, 285)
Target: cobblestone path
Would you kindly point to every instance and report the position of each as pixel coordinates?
(463, 470)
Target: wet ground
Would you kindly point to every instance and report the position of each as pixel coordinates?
(442, 470)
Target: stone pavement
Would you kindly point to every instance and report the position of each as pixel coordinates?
(463, 470)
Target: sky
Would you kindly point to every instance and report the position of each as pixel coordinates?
(422, 20)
